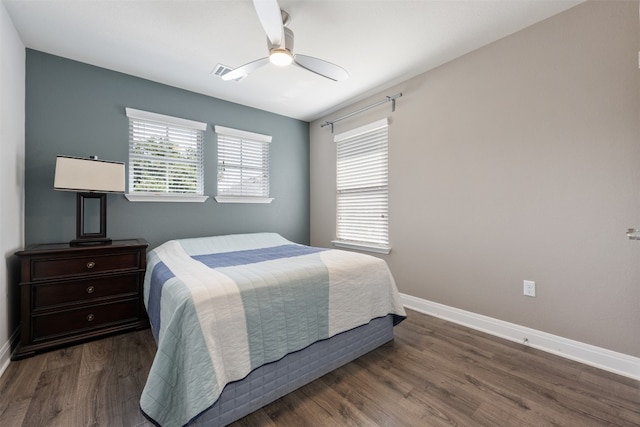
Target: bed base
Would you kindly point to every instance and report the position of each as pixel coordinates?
(272, 381)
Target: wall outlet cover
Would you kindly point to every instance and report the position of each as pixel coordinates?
(529, 288)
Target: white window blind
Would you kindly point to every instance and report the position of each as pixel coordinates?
(243, 165)
(165, 154)
(363, 187)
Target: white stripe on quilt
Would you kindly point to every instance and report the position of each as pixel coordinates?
(375, 291)
(232, 243)
(230, 355)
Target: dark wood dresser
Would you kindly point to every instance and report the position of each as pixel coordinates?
(75, 293)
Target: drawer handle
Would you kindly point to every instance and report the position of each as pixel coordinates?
(91, 264)
(90, 289)
(90, 317)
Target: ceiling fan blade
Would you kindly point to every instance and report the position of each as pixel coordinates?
(244, 70)
(271, 19)
(320, 67)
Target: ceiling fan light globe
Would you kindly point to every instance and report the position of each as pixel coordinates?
(280, 57)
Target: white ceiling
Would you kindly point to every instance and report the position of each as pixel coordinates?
(179, 42)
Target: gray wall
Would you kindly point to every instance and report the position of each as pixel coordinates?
(79, 110)
(12, 67)
(518, 161)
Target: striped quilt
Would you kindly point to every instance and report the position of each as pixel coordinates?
(222, 306)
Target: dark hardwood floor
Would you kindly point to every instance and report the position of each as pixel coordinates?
(434, 373)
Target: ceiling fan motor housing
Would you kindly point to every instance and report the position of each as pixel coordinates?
(288, 41)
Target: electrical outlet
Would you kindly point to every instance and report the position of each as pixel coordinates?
(529, 288)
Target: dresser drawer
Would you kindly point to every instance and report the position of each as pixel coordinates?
(51, 325)
(47, 268)
(82, 290)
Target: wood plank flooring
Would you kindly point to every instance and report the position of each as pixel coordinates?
(434, 373)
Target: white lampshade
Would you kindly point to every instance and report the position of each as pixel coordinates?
(89, 175)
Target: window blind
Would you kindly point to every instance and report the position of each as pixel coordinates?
(243, 163)
(363, 186)
(165, 154)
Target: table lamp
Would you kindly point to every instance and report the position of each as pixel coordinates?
(91, 179)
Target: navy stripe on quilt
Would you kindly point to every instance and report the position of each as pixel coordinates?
(159, 277)
(252, 256)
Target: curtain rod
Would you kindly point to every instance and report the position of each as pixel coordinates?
(387, 99)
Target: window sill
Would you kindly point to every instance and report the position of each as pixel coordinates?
(361, 247)
(172, 198)
(238, 199)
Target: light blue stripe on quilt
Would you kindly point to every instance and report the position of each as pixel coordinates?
(173, 395)
(285, 318)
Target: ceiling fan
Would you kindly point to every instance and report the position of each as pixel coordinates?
(280, 45)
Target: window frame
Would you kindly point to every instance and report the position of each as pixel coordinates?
(376, 238)
(255, 139)
(177, 124)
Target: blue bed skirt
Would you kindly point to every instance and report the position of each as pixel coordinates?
(274, 380)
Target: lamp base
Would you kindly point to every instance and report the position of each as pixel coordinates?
(91, 241)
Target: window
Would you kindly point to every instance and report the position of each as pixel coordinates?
(165, 157)
(243, 166)
(363, 188)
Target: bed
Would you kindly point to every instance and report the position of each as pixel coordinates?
(242, 320)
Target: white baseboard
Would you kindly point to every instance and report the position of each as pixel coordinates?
(598, 357)
(5, 351)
